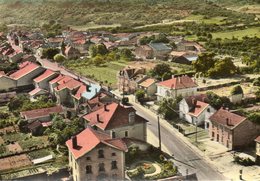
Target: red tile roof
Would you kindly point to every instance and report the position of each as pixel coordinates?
(182, 82)
(44, 112)
(56, 79)
(88, 139)
(64, 79)
(226, 118)
(44, 76)
(147, 82)
(257, 139)
(24, 71)
(198, 108)
(114, 116)
(71, 84)
(36, 90)
(80, 91)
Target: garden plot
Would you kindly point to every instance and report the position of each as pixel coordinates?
(15, 147)
(9, 129)
(14, 162)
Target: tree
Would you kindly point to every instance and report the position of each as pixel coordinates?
(254, 117)
(93, 50)
(59, 58)
(237, 90)
(160, 69)
(126, 54)
(204, 62)
(161, 38)
(98, 60)
(222, 68)
(216, 101)
(139, 95)
(167, 107)
(49, 53)
(101, 49)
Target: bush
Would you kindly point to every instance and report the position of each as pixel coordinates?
(125, 100)
(237, 90)
(243, 161)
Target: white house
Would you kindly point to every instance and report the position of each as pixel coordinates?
(195, 110)
(177, 86)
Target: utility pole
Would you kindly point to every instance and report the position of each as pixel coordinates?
(196, 135)
(159, 133)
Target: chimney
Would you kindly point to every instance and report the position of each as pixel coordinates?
(227, 121)
(105, 107)
(74, 142)
(98, 119)
(194, 101)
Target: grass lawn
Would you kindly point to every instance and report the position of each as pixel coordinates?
(250, 32)
(200, 18)
(39, 153)
(105, 73)
(33, 142)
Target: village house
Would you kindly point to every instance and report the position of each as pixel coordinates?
(71, 53)
(189, 46)
(196, 110)
(94, 155)
(232, 130)
(149, 86)
(183, 57)
(129, 78)
(160, 50)
(55, 42)
(144, 52)
(97, 102)
(36, 93)
(24, 76)
(42, 115)
(42, 81)
(257, 142)
(177, 86)
(118, 121)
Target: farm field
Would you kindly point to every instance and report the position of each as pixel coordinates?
(200, 19)
(250, 32)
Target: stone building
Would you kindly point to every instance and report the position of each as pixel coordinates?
(118, 121)
(94, 155)
(177, 86)
(232, 130)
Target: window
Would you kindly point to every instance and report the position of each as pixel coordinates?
(113, 134)
(114, 165)
(126, 133)
(75, 165)
(101, 167)
(88, 158)
(113, 154)
(213, 134)
(208, 110)
(100, 153)
(88, 169)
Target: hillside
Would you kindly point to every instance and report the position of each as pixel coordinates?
(106, 12)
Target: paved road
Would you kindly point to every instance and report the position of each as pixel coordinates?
(171, 143)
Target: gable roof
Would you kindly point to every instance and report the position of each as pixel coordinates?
(24, 71)
(44, 76)
(80, 91)
(182, 82)
(112, 116)
(38, 113)
(71, 84)
(37, 91)
(159, 46)
(226, 118)
(56, 79)
(198, 108)
(148, 82)
(88, 139)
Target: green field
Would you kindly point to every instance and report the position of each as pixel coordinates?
(250, 32)
(200, 19)
(105, 73)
